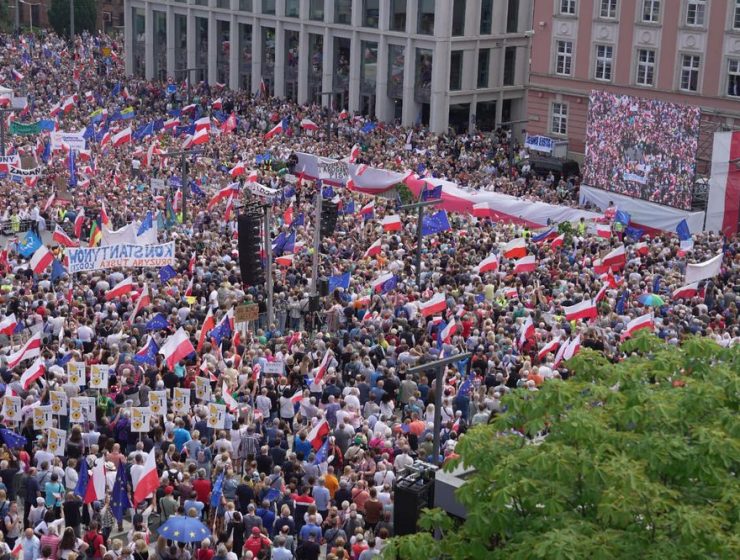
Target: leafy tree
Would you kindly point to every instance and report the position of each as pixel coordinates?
(631, 460)
(86, 16)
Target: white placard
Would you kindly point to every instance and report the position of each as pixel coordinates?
(99, 375)
(274, 368)
(140, 418)
(216, 416)
(75, 140)
(81, 409)
(202, 388)
(158, 403)
(12, 408)
(181, 402)
(42, 418)
(56, 441)
(58, 402)
(76, 373)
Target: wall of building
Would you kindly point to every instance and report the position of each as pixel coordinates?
(676, 33)
(376, 81)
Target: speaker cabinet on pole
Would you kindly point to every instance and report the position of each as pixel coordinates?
(250, 262)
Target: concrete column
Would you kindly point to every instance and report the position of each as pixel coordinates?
(383, 104)
(234, 50)
(439, 101)
(213, 46)
(192, 43)
(148, 41)
(170, 42)
(328, 65)
(128, 37)
(410, 112)
(256, 55)
(280, 49)
(303, 61)
(355, 64)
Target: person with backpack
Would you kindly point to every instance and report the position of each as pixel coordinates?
(94, 540)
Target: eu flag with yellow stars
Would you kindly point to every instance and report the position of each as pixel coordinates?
(119, 497)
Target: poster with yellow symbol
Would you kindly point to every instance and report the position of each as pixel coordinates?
(202, 389)
(140, 419)
(58, 402)
(158, 402)
(42, 418)
(181, 402)
(56, 440)
(76, 373)
(98, 376)
(12, 409)
(216, 416)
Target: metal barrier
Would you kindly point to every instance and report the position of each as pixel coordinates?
(6, 227)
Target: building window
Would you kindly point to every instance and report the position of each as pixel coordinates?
(690, 72)
(456, 63)
(559, 123)
(425, 22)
(397, 15)
(245, 5)
(604, 60)
(608, 9)
(292, 8)
(695, 11)
(484, 63)
(736, 15)
(316, 10)
(509, 66)
(568, 7)
(564, 60)
(733, 77)
(370, 13)
(512, 16)
(645, 67)
(486, 16)
(651, 11)
(458, 18)
(268, 7)
(343, 11)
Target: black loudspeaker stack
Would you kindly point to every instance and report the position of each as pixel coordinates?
(414, 490)
(250, 263)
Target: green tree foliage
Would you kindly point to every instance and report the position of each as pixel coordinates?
(639, 460)
(86, 16)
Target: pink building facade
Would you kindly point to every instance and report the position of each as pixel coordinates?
(683, 51)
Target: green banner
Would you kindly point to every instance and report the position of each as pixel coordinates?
(25, 129)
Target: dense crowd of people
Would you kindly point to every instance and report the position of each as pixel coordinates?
(321, 413)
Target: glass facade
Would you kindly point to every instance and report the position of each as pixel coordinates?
(201, 51)
(245, 57)
(160, 45)
(423, 75)
(316, 10)
(396, 62)
(268, 58)
(181, 46)
(343, 11)
(368, 77)
(291, 64)
(341, 72)
(292, 8)
(139, 23)
(268, 7)
(425, 17)
(223, 38)
(370, 13)
(316, 66)
(397, 15)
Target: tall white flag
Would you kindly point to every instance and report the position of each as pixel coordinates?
(701, 271)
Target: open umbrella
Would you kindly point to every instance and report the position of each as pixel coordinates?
(184, 529)
(651, 300)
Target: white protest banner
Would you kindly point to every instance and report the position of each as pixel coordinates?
(127, 255)
(331, 171)
(157, 185)
(123, 236)
(202, 388)
(42, 418)
(701, 271)
(140, 418)
(75, 140)
(76, 373)
(56, 441)
(7, 161)
(12, 408)
(181, 402)
(58, 402)
(274, 368)
(158, 402)
(99, 376)
(216, 416)
(262, 191)
(20, 172)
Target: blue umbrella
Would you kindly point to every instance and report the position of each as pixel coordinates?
(184, 529)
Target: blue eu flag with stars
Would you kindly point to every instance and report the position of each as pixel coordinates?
(119, 497)
(166, 273)
(158, 322)
(436, 223)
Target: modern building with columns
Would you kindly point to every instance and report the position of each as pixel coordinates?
(441, 63)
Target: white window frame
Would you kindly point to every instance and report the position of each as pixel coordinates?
(603, 63)
(561, 116)
(655, 11)
(695, 66)
(700, 6)
(567, 57)
(647, 65)
(612, 9)
(733, 72)
(735, 15)
(567, 7)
